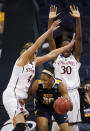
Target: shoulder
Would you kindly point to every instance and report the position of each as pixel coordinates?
(77, 62)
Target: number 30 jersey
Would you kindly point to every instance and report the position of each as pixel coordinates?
(67, 69)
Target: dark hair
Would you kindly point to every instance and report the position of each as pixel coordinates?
(86, 81)
(66, 40)
(59, 41)
(50, 68)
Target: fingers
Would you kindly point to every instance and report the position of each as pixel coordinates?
(53, 8)
(71, 13)
(74, 36)
(58, 21)
(58, 14)
(57, 27)
(73, 8)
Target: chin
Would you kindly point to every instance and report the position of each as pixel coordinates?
(66, 55)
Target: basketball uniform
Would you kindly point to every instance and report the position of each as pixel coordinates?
(44, 103)
(17, 88)
(67, 69)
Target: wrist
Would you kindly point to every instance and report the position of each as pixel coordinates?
(78, 18)
(50, 29)
(50, 19)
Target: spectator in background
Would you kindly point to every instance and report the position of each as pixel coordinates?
(85, 106)
(2, 16)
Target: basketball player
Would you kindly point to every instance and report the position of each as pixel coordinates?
(48, 89)
(22, 75)
(67, 65)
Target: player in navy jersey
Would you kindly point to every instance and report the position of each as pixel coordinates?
(48, 89)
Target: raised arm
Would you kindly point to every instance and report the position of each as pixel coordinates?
(53, 54)
(52, 15)
(24, 58)
(78, 46)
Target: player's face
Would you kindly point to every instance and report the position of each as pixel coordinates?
(46, 81)
(68, 52)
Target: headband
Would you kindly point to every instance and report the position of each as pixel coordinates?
(47, 72)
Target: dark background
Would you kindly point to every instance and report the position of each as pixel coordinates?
(26, 20)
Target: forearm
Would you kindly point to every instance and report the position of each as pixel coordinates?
(78, 44)
(58, 51)
(51, 41)
(50, 21)
(78, 29)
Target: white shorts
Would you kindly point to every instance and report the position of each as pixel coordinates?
(74, 115)
(12, 105)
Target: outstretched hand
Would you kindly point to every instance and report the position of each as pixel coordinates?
(55, 25)
(53, 12)
(74, 12)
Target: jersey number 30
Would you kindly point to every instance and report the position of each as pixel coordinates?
(67, 69)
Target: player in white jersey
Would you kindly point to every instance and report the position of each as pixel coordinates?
(22, 75)
(67, 65)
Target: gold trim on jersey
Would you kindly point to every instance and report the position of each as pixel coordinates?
(58, 81)
(39, 81)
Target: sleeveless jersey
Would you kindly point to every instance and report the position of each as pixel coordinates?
(20, 80)
(67, 69)
(46, 97)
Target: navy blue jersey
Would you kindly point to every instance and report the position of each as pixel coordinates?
(46, 97)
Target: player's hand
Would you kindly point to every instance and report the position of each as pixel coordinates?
(74, 12)
(53, 12)
(55, 25)
(68, 98)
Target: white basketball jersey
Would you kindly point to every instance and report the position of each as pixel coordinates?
(20, 80)
(67, 69)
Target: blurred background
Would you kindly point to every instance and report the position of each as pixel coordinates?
(25, 20)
